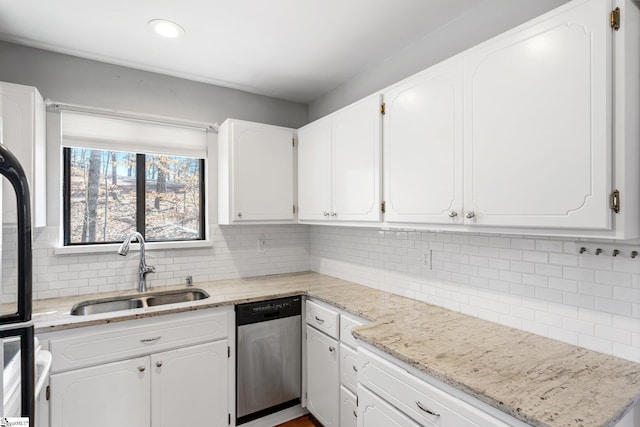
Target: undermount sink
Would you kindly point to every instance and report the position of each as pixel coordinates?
(107, 305)
(175, 297)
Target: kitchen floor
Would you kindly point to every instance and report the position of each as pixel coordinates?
(306, 421)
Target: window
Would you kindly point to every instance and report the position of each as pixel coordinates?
(120, 180)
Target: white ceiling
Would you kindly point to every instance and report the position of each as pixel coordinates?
(291, 49)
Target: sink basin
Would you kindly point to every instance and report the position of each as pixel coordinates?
(107, 305)
(172, 297)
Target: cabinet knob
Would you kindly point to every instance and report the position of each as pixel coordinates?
(453, 214)
(332, 348)
(334, 214)
(159, 363)
(239, 214)
(325, 213)
(141, 368)
(470, 214)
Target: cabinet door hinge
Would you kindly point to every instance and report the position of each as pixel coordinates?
(47, 392)
(383, 206)
(294, 208)
(229, 419)
(383, 108)
(614, 201)
(615, 18)
(228, 352)
(293, 142)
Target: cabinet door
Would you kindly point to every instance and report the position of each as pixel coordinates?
(537, 123)
(314, 171)
(263, 172)
(356, 161)
(22, 123)
(189, 386)
(375, 412)
(348, 408)
(322, 377)
(114, 394)
(423, 147)
(348, 367)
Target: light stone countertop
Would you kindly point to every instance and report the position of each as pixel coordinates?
(540, 381)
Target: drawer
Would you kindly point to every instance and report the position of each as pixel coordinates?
(348, 408)
(375, 412)
(416, 398)
(346, 324)
(348, 367)
(323, 319)
(95, 345)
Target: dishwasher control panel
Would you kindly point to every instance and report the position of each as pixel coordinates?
(266, 310)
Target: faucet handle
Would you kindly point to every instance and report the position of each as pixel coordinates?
(148, 269)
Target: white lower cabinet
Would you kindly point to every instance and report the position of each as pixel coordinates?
(348, 408)
(348, 367)
(113, 394)
(375, 412)
(160, 372)
(186, 388)
(414, 397)
(323, 379)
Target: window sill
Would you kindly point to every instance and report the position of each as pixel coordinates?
(113, 247)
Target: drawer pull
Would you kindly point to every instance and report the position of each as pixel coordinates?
(422, 408)
(159, 363)
(149, 340)
(319, 319)
(355, 414)
(332, 348)
(355, 369)
(141, 368)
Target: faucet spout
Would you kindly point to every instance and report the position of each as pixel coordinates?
(143, 268)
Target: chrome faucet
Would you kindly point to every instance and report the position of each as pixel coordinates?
(143, 269)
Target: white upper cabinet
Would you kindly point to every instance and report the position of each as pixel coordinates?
(314, 170)
(534, 131)
(356, 161)
(255, 173)
(538, 123)
(22, 124)
(423, 147)
(341, 155)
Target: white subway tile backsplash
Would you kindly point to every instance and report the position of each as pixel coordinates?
(597, 344)
(549, 245)
(541, 285)
(233, 254)
(613, 306)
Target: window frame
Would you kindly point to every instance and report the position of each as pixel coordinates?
(140, 203)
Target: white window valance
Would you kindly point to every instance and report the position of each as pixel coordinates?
(88, 130)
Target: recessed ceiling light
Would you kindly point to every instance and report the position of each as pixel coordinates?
(166, 28)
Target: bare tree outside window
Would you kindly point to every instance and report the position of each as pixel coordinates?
(172, 198)
(103, 201)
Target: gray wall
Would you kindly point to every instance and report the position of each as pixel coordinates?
(489, 18)
(69, 79)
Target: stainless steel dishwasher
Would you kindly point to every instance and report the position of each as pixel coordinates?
(268, 357)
